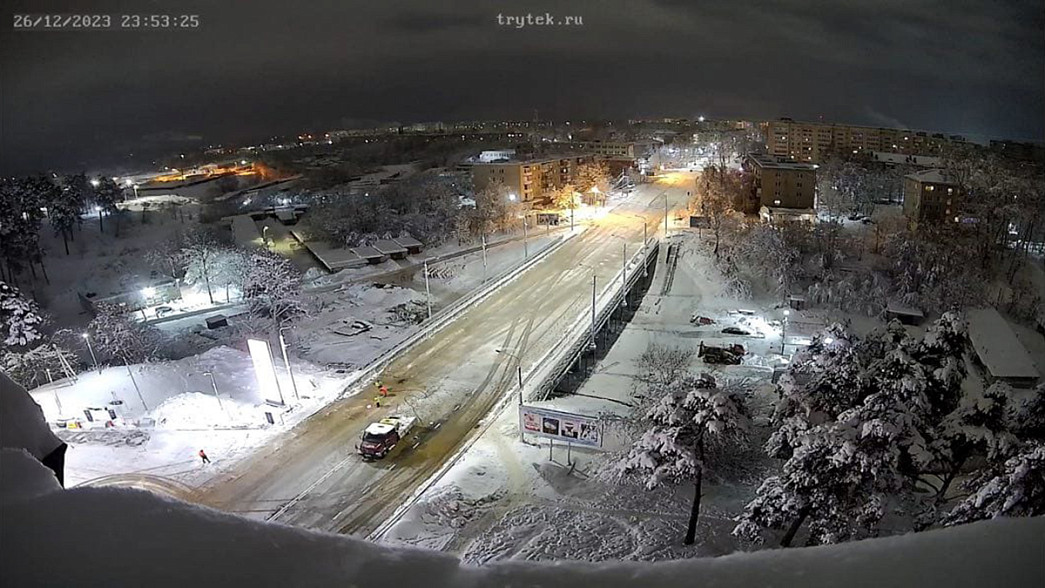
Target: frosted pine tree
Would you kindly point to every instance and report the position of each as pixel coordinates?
(692, 418)
(1017, 489)
(19, 318)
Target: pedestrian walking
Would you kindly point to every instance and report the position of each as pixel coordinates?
(203, 457)
(384, 391)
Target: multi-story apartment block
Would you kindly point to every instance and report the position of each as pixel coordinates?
(813, 142)
(930, 196)
(533, 179)
(782, 183)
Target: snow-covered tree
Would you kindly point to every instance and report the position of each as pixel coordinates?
(691, 417)
(117, 336)
(106, 194)
(273, 286)
(593, 181)
(228, 269)
(30, 368)
(1028, 419)
(20, 319)
(660, 364)
(199, 252)
(1017, 489)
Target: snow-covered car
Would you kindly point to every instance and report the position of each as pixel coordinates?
(735, 331)
(701, 320)
(729, 355)
(162, 311)
(381, 437)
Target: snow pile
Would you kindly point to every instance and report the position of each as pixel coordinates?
(24, 477)
(155, 541)
(194, 410)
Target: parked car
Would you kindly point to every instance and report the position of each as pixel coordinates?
(162, 311)
(701, 320)
(735, 331)
(729, 355)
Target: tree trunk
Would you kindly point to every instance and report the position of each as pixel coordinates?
(940, 496)
(206, 279)
(65, 241)
(694, 513)
(793, 529)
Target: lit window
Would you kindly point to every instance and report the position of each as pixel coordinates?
(949, 192)
(928, 188)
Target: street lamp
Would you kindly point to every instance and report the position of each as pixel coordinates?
(624, 268)
(286, 362)
(518, 365)
(95, 182)
(428, 292)
(783, 330)
(214, 385)
(94, 359)
(595, 190)
(592, 303)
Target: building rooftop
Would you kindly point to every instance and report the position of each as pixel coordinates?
(530, 160)
(766, 161)
(931, 176)
(997, 346)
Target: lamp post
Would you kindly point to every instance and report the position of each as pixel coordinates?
(592, 303)
(623, 267)
(94, 359)
(665, 214)
(286, 362)
(518, 365)
(484, 256)
(214, 385)
(428, 292)
(783, 330)
(526, 247)
(645, 242)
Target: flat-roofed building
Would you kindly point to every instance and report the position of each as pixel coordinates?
(998, 350)
(782, 183)
(533, 179)
(930, 196)
(814, 142)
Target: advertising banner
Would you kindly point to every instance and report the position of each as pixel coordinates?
(561, 426)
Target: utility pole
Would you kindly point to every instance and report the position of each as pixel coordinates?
(286, 362)
(94, 359)
(593, 309)
(526, 247)
(484, 256)
(428, 292)
(136, 388)
(214, 385)
(665, 214)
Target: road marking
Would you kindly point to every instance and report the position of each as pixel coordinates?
(302, 494)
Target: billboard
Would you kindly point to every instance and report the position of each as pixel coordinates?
(561, 426)
(265, 371)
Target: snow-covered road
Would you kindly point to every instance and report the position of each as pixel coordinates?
(310, 475)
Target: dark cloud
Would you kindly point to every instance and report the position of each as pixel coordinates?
(264, 67)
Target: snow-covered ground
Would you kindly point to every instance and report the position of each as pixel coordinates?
(138, 539)
(505, 499)
(159, 431)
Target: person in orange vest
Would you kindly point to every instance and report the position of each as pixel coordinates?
(203, 456)
(384, 391)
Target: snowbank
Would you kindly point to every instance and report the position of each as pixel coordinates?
(150, 540)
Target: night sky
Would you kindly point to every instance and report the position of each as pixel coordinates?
(73, 100)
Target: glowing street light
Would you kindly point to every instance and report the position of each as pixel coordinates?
(95, 182)
(148, 292)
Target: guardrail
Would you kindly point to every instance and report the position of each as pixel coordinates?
(578, 331)
(448, 314)
(578, 336)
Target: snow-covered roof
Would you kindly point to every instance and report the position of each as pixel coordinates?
(367, 252)
(388, 247)
(379, 429)
(997, 346)
(408, 242)
(930, 176)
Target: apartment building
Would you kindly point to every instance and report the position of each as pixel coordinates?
(533, 179)
(930, 196)
(814, 142)
(615, 149)
(782, 183)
